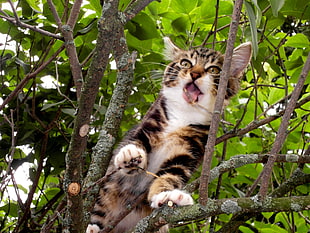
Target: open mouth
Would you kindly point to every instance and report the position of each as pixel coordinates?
(191, 93)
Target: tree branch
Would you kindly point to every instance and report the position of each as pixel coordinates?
(67, 32)
(16, 21)
(136, 6)
(257, 123)
(209, 149)
(103, 149)
(26, 211)
(196, 212)
(19, 23)
(282, 132)
(298, 178)
(78, 141)
(241, 160)
(29, 76)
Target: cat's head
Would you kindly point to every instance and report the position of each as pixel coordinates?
(193, 75)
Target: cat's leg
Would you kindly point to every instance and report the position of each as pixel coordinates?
(176, 196)
(167, 188)
(130, 157)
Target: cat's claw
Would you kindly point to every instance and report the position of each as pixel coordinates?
(130, 157)
(177, 197)
(92, 228)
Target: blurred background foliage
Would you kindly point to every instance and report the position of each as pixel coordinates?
(46, 106)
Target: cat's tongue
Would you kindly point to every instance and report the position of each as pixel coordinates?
(191, 93)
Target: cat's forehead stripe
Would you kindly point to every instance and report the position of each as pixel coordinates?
(207, 55)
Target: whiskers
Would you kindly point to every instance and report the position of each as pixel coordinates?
(232, 86)
(152, 76)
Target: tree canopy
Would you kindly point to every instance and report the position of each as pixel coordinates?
(77, 75)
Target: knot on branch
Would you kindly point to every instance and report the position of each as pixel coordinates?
(230, 207)
(122, 18)
(84, 130)
(66, 28)
(126, 60)
(69, 42)
(74, 189)
(291, 158)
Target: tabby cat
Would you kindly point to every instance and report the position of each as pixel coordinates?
(159, 156)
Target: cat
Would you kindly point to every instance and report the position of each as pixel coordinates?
(158, 157)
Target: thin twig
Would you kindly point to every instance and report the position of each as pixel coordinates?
(282, 132)
(29, 76)
(257, 123)
(16, 21)
(67, 32)
(34, 186)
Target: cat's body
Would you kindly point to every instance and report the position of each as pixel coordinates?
(158, 157)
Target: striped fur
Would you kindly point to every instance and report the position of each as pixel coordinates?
(156, 159)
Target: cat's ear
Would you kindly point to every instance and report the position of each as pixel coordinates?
(240, 59)
(171, 50)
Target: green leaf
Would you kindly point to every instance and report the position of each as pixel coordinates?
(34, 4)
(69, 111)
(183, 6)
(276, 6)
(96, 6)
(25, 66)
(252, 19)
(258, 12)
(275, 94)
(297, 41)
(267, 214)
(180, 24)
(299, 9)
(11, 209)
(142, 27)
(47, 106)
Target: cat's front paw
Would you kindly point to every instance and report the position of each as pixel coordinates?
(130, 157)
(177, 197)
(92, 228)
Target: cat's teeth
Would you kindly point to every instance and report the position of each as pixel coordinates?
(191, 93)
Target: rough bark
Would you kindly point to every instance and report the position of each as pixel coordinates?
(111, 39)
(209, 149)
(241, 160)
(197, 212)
(282, 132)
(88, 96)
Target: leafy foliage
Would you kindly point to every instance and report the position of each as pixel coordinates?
(40, 117)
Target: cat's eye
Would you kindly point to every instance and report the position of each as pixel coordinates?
(186, 63)
(213, 70)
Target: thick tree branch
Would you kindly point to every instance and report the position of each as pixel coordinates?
(103, 149)
(298, 178)
(196, 212)
(209, 149)
(78, 142)
(125, 64)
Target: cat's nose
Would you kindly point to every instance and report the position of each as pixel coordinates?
(195, 75)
